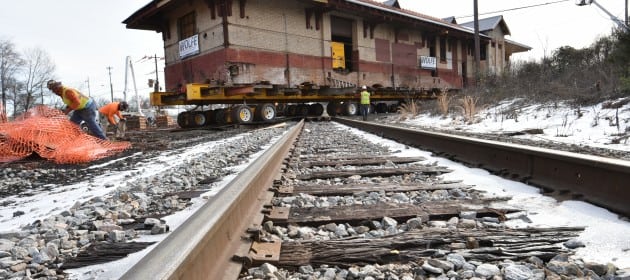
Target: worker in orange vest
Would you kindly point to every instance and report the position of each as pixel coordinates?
(84, 107)
(111, 110)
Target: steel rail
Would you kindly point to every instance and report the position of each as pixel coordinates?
(601, 181)
(203, 246)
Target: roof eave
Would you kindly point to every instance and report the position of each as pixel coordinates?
(145, 18)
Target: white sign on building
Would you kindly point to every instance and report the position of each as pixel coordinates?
(189, 46)
(428, 62)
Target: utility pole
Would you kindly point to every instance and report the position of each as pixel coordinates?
(156, 86)
(477, 45)
(627, 13)
(111, 87)
(88, 84)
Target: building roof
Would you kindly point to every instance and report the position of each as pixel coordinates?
(392, 3)
(489, 24)
(149, 17)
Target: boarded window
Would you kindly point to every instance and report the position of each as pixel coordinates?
(187, 25)
(382, 50)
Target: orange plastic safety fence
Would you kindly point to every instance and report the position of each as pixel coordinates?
(3, 114)
(49, 133)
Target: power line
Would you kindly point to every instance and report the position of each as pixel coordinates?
(513, 9)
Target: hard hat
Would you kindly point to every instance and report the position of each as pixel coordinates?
(364, 87)
(52, 84)
(123, 106)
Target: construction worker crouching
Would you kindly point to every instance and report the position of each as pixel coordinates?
(108, 112)
(84, 107)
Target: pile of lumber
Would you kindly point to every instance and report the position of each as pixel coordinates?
(136, 122)
(164, 121)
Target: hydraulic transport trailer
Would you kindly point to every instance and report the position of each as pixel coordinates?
(264, 102)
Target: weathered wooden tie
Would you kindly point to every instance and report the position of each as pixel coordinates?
(104, 252)
(357, 161)
(374, 172)
(400, 211)
(349, 189)
(415, 244)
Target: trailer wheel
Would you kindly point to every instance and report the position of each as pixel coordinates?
(198, 119)
(291, 110)
(302, 110)
(210, 117)
(332, 108)
(220, 116)
(381, 108)
(183, 119)
(351, 109)
(316, 109)
(242, 114)
(266, 112)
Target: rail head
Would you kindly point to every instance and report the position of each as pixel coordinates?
(598, 180)
(202, 247)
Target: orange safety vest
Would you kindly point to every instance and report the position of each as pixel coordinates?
(68, 95)
(110, 110)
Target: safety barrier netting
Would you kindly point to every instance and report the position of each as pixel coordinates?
(49, 133)
(3, 114)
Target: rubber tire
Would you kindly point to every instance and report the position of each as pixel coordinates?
(265, 112)
(242, 114)
(381, 108)
(198, 119)
(351, 109)
(302, 110)
(183, 119)
(316, 109)
(332, 108)
(220, 117)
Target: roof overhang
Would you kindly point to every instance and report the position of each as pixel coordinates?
(514, 47)
(150, 17)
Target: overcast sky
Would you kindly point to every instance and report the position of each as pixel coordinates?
(544, 25)
(84, 37)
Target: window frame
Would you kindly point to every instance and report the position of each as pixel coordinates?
(187, 25)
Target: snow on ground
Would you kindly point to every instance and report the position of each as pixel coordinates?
(606, 236)
(589, 126)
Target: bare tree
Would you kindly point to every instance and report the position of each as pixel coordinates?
(10, 63)
(38, 69)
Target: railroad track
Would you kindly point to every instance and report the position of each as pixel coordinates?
(311, 207)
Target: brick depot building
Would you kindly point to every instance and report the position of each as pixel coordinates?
(333, 43)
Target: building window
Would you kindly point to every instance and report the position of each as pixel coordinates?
(442, 49)
(187, 25)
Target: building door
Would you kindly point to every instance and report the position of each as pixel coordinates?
(338, 56)
(341, 35)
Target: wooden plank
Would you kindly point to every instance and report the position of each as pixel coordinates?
(374, 172)
(346, 189)
(401, 211)
(413, 245)
(358, 161)
(103, 252)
